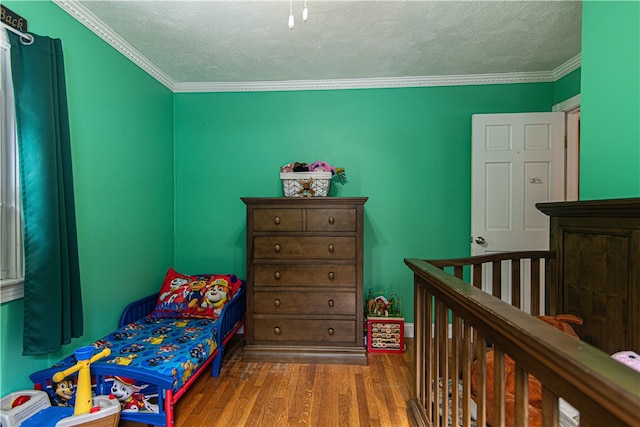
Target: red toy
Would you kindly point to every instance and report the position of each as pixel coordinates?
(20, 400)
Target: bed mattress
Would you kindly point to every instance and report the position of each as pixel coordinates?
(172, 349)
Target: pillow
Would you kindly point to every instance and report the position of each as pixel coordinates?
(172, 295)
(202, 295)
(209, 294)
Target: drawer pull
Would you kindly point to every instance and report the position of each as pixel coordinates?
(331, 248)
(276, 275)
(276, 302)
(332, 220)
(276, 248)
(330, 331)
(331, 275)
(276, 220)
(331, 303)
(277, 330)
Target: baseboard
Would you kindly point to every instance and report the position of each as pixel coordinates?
(408, 330)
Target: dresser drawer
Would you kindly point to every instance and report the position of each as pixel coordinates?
(278, 219)
(300, 330)
(325, 303)
(331, 220)
(274, 247)
(304, 275)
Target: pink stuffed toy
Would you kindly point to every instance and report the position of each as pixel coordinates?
(628, 358)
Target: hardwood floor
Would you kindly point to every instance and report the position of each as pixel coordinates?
(291, 394)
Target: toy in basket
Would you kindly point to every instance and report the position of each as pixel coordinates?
(309, 180)
(379, 305)
(89, 411)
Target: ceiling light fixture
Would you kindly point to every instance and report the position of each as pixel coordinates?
(291, 14)
(305, 14)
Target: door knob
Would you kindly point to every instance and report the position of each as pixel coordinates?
(480, 240)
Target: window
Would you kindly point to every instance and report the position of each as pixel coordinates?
(11, 249)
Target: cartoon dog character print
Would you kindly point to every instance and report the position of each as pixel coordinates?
(156, 339)
(175, 284)
(196, 293)
(129, 396)
(123, 360)
(215, 297)
(63, 393)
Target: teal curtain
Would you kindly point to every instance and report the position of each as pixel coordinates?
(52, 296)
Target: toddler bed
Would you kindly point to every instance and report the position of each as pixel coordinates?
(163, 343)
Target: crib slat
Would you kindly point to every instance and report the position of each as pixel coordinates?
(496, 273)
(550, 408)
(499, 411)
(466, 376)
(515, 283)
(456, 324)
(458, 271)
(522, 397)
(442, 325)
(419, 352)
(477, 276)
(432, 362)
(481, 378)
(535, 286)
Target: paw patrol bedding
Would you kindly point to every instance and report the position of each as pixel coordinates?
(166, 348)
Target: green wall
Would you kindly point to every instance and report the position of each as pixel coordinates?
(408, 150)
(610, 111)
(121, 124)
(567, 86)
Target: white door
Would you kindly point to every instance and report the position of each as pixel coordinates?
(517, 161)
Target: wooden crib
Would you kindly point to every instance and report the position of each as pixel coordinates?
(456, 323)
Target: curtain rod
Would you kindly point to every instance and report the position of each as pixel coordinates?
(25, 38)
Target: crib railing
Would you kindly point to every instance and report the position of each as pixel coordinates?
(527, 276)
(456, 323)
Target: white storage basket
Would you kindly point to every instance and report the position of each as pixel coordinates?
(306, 184)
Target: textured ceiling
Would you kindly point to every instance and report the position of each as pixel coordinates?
(249, 41)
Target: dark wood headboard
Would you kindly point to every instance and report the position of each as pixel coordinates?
(598, 268)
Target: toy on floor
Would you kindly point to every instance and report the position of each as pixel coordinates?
(629, 358)
(562, 322)
(88, 411)
(381, 305)
(19, 406)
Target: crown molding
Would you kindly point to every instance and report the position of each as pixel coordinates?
(366, 83)
(89, 20)
(569, 66)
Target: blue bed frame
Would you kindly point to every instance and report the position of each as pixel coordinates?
(231, 319)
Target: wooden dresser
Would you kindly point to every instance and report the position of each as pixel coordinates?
(304, 280)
